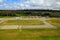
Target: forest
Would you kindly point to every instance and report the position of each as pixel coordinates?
(50, 13)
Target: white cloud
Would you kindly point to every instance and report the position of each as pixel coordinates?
(38, 2)
(58, 3)
(31, 4)
(1, 0)
(44, 4)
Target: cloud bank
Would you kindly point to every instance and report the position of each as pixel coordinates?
(29, 4)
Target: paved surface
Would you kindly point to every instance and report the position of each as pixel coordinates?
(43, 19)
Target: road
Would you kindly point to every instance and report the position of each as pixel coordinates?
(43, 19)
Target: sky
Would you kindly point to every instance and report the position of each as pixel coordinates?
(29, 4)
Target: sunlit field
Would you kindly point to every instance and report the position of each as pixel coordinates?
(54, 21)
(22, 22)
(29, 20)
(30, 34)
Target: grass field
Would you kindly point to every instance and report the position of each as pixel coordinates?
(6, 16)
(22, 22)
(30, 34)
(54, 21)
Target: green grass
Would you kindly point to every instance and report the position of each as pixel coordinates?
(24, 16)
(54, 21)
(30, 34)
(1, 16)
(22, 22)
(6, 16)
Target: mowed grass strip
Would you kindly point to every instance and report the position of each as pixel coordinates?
(30, 34)
(22, 22)
(54, 21)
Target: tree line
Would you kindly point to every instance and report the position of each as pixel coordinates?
(30, 13)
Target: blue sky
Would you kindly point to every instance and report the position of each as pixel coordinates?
(29, 4)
